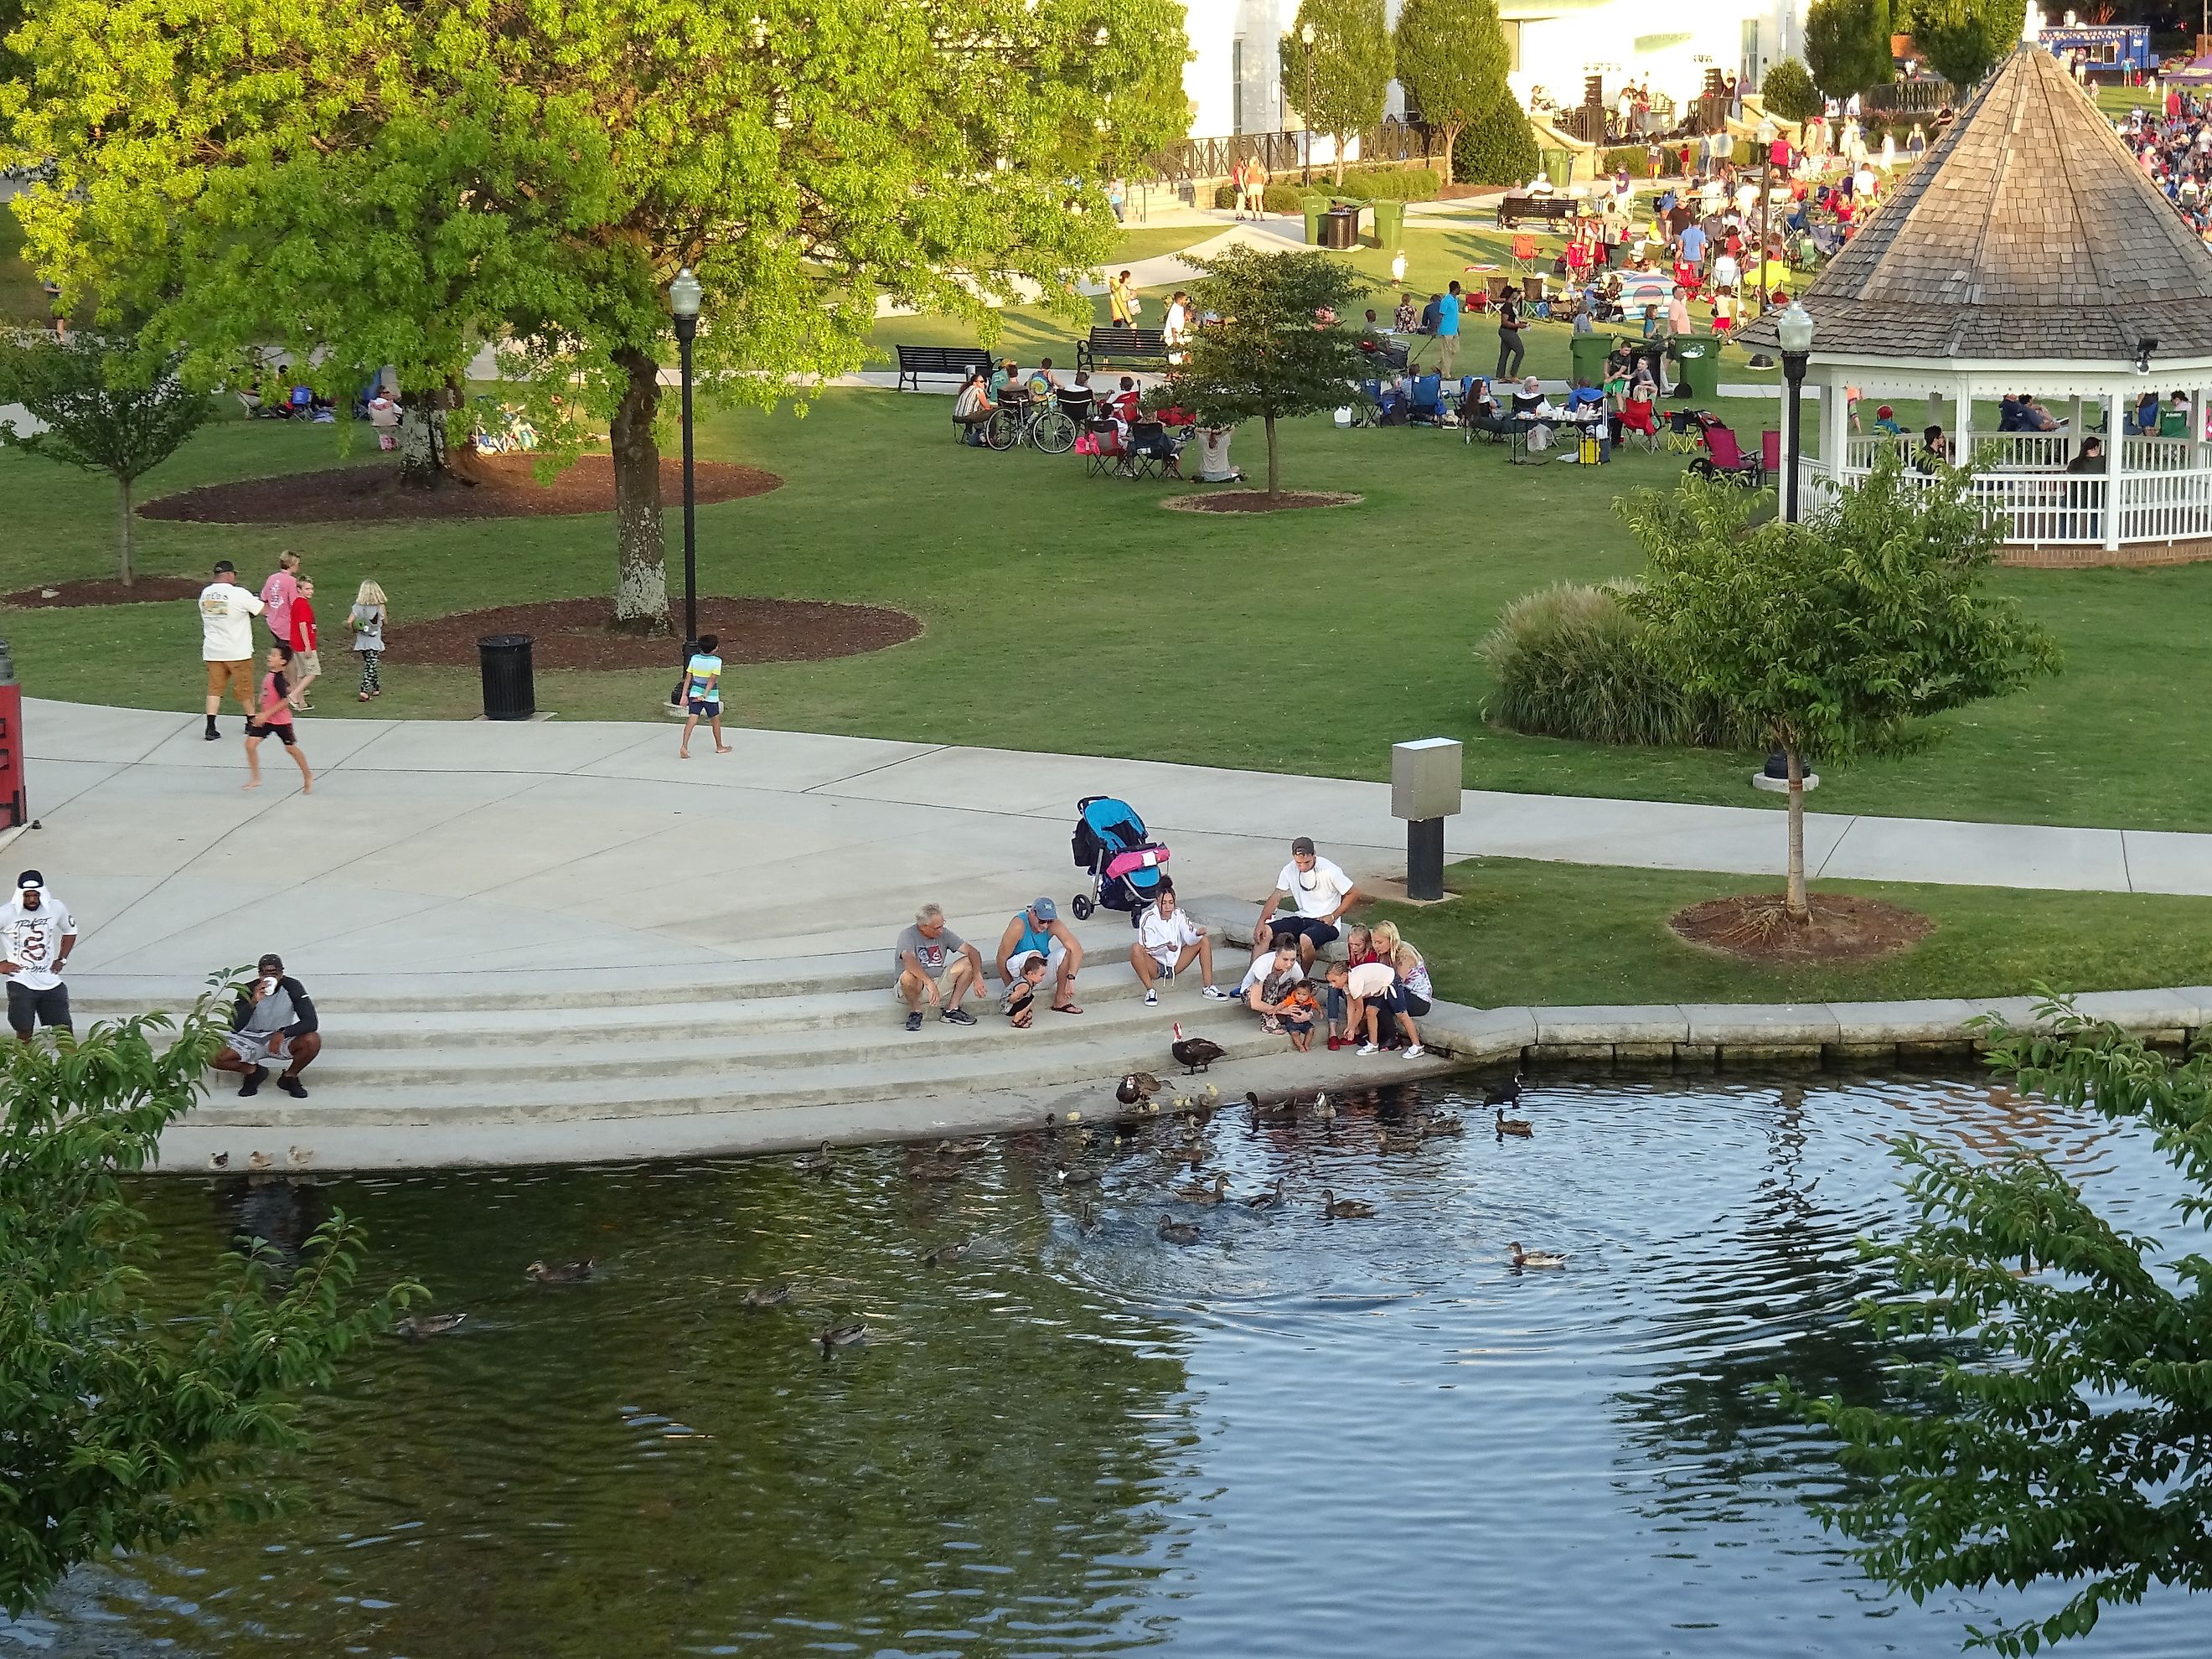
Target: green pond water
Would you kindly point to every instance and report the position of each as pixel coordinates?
(1297, 1436)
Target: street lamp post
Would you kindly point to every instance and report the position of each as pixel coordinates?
(1306, 37)
(683, 297)
(1794, 325)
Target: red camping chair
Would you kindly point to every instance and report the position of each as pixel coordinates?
(1640, 421)
(1724, 458)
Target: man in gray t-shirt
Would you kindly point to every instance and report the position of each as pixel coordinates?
(935, 965)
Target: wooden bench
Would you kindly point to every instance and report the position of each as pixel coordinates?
(1120, 345)
(959, 362)
(1550, 209)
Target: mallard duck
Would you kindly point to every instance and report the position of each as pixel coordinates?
(1343, 1209)
(834, 1337)
(1194, 1053)
(565, 1273)
(1270, 1198)
(1506, 1094)
(931, 1168)
(1136, 1086)
(1401, 1140)
(1178, 1232)
(1076, 1175)
(962, 1150)
(945, 1254)
(1514, 1125)
(1535, 1258)
(768, 1296)
(1324, 1108)
(815, 1163)
(1199, 1193)
(1286, 1107)
(426, 1325)
(1444, 1123)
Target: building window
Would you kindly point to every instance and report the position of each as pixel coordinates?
(1237, 85)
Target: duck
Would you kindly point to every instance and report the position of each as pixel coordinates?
(1535, 1258)
(1401, 1140)
(1343, 1209)
(964, 1149)
(218, 1160)
(1076, 1175)
(1193, 1152)
(1506, 1094)
(1199, 1193)
(1178, 1232)
(1069, 1128)
(1283, 1108)
(1267, 1198)
(1194, 1053)
(945, 1254)
(428, 1324)
(1514, 1125)
(1324, 1108)
(930, 1169)
(1136, 1086)
(257, 1160)
(565, 1273)
(768, 1296)
(833, 1337)
(815, 1163)
(299, 1156)
(1442, 1123)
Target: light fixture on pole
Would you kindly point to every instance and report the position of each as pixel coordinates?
(683, 296)
(1306, 37)
(1794, 326)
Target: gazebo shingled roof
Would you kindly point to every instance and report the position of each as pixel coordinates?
(2029, 232)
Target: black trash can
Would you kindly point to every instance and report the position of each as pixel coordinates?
(1339, 227)
(508, 694)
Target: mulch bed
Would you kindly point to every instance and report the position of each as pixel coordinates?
(573, 634)
(146, 590)
(503, 487)
(1258, 500)
(1842, 928)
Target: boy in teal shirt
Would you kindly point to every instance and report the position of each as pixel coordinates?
(702, 695)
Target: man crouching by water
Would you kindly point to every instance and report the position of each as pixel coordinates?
(275, 1018)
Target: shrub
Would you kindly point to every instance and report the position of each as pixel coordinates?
(1280, 198)
(1571, 661)
(1637, 158)
(1788, 92)
(1224, 196)
(1392, 184)
(1499, 147)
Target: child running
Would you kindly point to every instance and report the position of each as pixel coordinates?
(702, 694)
(275, 716)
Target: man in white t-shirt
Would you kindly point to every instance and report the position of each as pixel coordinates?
(226, 614)
(1319, 893)
(1166, 944)
(37, 934)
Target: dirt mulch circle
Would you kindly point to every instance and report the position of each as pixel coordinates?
(146, 590)
(1257, 500)
(502, 487)
(1756, 927)
(573, 634)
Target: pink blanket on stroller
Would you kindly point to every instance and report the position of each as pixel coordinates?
(1142, 857)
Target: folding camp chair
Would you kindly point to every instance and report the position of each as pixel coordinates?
(1639, 424)
(1524, 252)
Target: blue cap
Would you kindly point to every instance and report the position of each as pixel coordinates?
(1044, 909)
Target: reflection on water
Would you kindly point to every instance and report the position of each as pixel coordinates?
(1296, 1437)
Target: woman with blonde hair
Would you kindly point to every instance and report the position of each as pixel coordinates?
(366, 618)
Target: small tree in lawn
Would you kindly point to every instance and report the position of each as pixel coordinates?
(1834, 636)
(1452, 60)
(101, 413)
(1352, 62)
(1788, 93)
(1847, 46)
(1269, 357)
(2063, 1437)
(125, 1427)
(1964, 39)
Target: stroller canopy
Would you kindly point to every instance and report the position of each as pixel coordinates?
(1114, 822)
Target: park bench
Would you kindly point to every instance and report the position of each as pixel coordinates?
(1550, 209)
(1120, 345)
(916, 360)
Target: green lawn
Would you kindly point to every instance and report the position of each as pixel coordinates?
(1561, 935)
(1065, 612)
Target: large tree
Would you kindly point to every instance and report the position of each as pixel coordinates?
(397, 181)
(1964, 39)
(1347, 68)
(1838, 635)
(123, 1426)
(2052, 1416)
(1788, 91)
(1847, 46)
(1451, 60)
(1274, 352)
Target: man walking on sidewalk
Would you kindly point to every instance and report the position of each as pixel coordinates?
(37, 934)
(226, 614)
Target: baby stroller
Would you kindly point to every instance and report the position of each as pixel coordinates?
(1109, 842)
(1725, 457)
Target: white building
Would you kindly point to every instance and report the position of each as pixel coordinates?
(1235, 85)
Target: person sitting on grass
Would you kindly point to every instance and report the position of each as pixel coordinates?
(1166, 945)
(1037, 931)
(1372, 989)
(1019, 1006)
(935, 965)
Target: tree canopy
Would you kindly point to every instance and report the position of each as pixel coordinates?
(1270, 349)
(1451, 60)
(366, 182)
(126, 1426)
(1788, 93)
(1965, 39)
(1847, 46)
(2062, 1435)
(1352, 61)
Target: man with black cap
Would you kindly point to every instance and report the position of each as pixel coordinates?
(275, 1018)
(226, 614)
(37, 934)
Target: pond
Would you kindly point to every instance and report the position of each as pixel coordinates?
(1298, 1436)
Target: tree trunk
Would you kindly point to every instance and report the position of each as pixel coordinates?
(422, 440)
(122, 525)
(1337, 138)
(1451, 143)
(1800, 911)
(1274, 460)
(641, 578)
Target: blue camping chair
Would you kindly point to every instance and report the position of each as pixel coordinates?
(1425, 400)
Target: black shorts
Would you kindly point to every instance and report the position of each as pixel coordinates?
(1308, 927)
(27, 1007)
(280, 730)
(701, 709)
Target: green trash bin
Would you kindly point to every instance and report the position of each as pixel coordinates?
(1589, 352)
(1389, 224)
(1699, 364)
(1559, 168)
(1315, 207)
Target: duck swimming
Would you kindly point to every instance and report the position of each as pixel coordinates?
(427, 1325)
(840, 1336)
(1343, 1209)
(1270, 1198)
(1514, 1125)
(566, 1272)
(768, 1296)
(815, 1163)
(1535, 1258)
(1178, 1232)
(1201, 1194)
(945, 1254)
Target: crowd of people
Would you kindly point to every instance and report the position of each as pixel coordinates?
(2174, 149)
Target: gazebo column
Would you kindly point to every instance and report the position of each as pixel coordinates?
(2116, 448)
(1835, 425)
(1962, 450)
(2075, 429)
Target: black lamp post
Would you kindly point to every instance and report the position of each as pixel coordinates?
(1306, 37)
(683, 296)
(1794, 325)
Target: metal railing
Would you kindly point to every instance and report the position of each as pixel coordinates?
(1912, 97)
(1391, 144)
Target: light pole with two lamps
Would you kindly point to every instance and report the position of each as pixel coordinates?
(683, 296)
(1794, 326)
(1306, 37)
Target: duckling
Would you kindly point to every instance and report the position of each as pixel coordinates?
(1514, 1125)
(1068, 1130)
(1199, 1193)
(257, 1160)
(1178, 1232)
(815, 1163)
(945, 1254)
(1343, 1209)
(299, 1156)
(1270, 1198)
(1401, 1140)
(1535, 1258)
(428, 1325)
(834, 1337)
(768, 1296)
(1194, 1053)
(566, 1272)
(1507, 1094)
(218, 1160)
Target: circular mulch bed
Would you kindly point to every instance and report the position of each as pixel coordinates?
(503, 487)
(573, 634)
(1757, 927)
(1258, 500)
(146, 590)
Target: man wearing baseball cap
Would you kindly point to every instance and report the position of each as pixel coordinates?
(37, 934)
(226, 614)
(274, 1019)
(1038, 931)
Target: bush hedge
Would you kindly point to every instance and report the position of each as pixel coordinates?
(1637, 158)
(1497, 148)
(1280, 198)
(1391, 184)
(1572, 661)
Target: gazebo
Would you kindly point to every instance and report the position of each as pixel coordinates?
(2027, 254)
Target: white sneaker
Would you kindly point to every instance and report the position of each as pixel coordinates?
(1367, 1049)
(1215, 993)
(1413, 1052)
(1152, 999)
